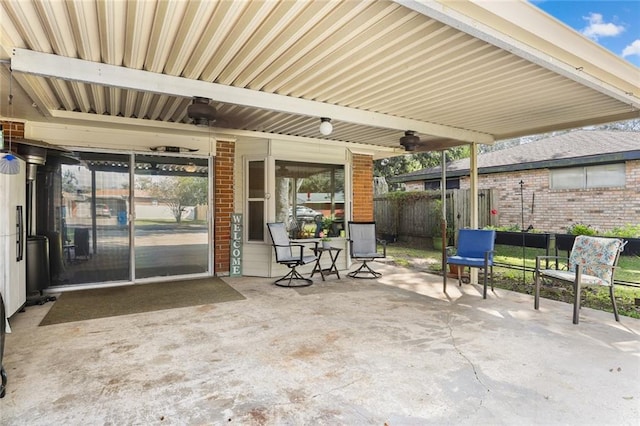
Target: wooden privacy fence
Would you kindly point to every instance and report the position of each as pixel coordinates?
(410, 215)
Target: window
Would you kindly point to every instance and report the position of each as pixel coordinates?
(602, 176)
(310, 198)
(433, 185)
(255, 210)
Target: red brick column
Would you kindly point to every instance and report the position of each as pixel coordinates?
(362, 188)
(223, 202)
(14, 129)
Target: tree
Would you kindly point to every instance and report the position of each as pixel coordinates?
(143, 183)
(69, 181)
(177, 192)
(330, 180)
(401, 164)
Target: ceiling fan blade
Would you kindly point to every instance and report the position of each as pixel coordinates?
(201, 112)
(437, 145)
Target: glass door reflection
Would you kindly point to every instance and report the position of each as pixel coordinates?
(171, 211)
(94, 217)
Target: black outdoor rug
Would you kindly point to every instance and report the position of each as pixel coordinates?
(132, 299)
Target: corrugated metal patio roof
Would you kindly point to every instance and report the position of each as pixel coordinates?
(452, 71)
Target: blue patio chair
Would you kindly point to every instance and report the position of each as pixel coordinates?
(474, 250)
(592, 262)
(289, 254)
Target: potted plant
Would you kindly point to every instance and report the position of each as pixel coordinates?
(437, 236)
(437, 229)
(324, 238)
(513, 236)
(631, 234)
(327, 226)
(453, 268)
(628, 232)
(564, 242)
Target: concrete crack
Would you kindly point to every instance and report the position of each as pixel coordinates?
(346, 385)
(473, 367)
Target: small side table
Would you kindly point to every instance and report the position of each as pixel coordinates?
(334, 252)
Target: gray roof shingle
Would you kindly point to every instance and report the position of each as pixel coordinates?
(576, 147)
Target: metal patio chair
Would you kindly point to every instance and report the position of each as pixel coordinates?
(592, 262)
(364, 247)
(474, 250)
(290, 255)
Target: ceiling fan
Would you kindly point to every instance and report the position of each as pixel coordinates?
(412, 142)
(201, 112)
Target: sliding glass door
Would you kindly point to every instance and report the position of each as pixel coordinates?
(129, 217)
(171, 227)
(94, 215)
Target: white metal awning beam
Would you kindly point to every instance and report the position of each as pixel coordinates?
(53, 66)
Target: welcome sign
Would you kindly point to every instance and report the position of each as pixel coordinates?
(235, 269)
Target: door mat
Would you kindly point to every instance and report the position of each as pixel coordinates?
(132, 299)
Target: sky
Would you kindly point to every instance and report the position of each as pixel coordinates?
(613, 24)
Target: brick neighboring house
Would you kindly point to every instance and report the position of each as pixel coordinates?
(584, 176)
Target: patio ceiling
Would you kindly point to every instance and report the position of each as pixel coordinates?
(452, 71)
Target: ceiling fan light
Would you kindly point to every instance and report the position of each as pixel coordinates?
(201, 122)
(410, 140)
(325, 126)
(201, 112)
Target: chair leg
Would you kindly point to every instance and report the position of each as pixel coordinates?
(484, 290)
(364, 269)
(444, 277)
(291, 276)
(3, 386)
(536, 293)
(613, 302)
(460, 269)
(491, 267)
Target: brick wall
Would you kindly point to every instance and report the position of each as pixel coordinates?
(555, 210)
(362, 188)
(12, 128)
(223, 201)
(414, 186)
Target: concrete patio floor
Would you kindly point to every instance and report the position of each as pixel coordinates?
(394, 351)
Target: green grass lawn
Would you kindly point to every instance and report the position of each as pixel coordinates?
(514, 279)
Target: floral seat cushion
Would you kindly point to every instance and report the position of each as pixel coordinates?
(597, 257)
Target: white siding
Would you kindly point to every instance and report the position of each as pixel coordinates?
(258, 258)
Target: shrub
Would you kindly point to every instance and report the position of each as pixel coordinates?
(581, 229)
(506, 228)
(626, 231)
